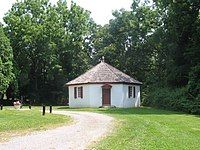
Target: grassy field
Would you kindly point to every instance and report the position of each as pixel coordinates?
(147, 128)
(17, 122)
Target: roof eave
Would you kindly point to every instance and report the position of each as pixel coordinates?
(71, 84)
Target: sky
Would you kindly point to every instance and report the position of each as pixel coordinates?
(101, 10)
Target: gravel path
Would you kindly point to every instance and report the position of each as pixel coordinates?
(88, 128)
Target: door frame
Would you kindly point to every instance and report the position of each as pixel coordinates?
(106, 87)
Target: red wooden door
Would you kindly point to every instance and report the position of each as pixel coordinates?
(106, 96)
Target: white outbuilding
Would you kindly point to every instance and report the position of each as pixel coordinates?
(104, 85)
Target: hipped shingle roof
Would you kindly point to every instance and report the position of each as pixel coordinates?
(103, 73)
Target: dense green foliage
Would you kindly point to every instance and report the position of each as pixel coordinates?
(174, 99)
(180, 47)
(48, 45)
(157, 43)
(6, 66)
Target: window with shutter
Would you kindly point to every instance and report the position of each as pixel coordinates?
(80, 92)
(130, 91)
(75, 92)
(134, 92)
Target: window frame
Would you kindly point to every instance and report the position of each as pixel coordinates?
(134, 92)
(131, 91)
(78, 92)
(75, 92)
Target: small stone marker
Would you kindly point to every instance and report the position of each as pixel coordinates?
(43, 110)
(29, 106)
(50, 109)
(1, 107)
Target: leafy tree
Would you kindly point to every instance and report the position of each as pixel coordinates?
(178, 40)
(6, 65)
(48, 44)
(124, 42)
(159, 45)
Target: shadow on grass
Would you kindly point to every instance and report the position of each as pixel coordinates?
(126, 111)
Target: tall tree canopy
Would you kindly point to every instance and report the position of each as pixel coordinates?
(48, 45)
(159, 45)
(125, 41)
(6, 66)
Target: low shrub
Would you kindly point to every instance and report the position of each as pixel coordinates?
(171, 99)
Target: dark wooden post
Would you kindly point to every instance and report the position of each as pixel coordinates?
(43, 110)
(50, 110)
(1, 107)
(29, 106)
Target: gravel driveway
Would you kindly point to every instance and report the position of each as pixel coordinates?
(87, 128)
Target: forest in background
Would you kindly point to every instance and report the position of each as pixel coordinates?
(43, 46)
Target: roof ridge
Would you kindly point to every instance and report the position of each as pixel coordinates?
(111, 70)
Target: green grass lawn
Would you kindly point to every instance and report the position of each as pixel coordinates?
(148, 128)
(17, 122)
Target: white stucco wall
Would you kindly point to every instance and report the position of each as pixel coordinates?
(117, 95)
(95, 95)
(79, 102)
(92, 96)
(131, 102)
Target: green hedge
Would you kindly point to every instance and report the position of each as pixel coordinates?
(171, 99)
